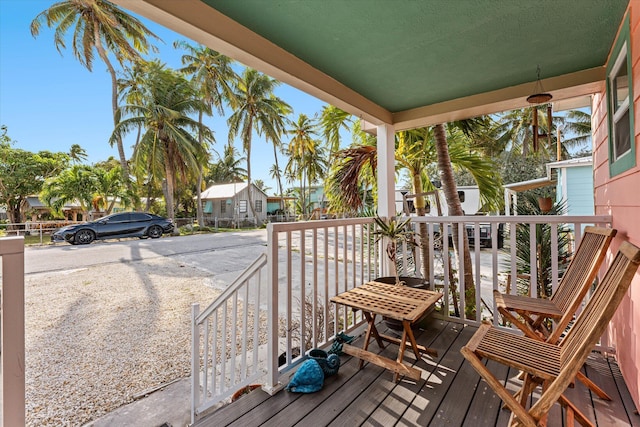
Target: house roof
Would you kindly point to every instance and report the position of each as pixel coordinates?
(530, 184)
(579, 161)
(35, 203)
(405, 62)
(226, 191)
(223, 191)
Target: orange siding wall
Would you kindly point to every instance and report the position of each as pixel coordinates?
(619, 196)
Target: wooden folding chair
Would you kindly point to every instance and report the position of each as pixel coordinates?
(530, 314)
(554, 366)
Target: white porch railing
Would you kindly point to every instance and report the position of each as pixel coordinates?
(258, 332)
(12, 319)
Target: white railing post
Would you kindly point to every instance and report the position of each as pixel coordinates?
(195, 361)
(272, 309)
(13, 378)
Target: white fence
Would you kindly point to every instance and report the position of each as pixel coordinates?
(279, 308)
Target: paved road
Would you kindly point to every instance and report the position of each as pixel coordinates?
(220, 253)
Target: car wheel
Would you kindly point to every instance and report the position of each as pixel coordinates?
(154, 231)
(84, 237)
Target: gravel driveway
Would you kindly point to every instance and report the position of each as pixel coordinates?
(99, 336)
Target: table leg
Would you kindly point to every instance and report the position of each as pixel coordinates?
(371, 329)
(371, 319)
(412, 339)
(403, 346)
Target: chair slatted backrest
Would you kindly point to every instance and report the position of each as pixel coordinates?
(580, 274)
(592, 322)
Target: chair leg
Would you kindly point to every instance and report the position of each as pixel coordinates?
(572, 412)
(521, 413)
(592, 386)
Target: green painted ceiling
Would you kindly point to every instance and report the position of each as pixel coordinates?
(403, 54)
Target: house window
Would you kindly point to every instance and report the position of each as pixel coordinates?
(223, 206)
(242, 206)
(258, 205)
(620, 105)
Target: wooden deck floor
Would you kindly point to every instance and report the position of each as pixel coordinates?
(449, 393)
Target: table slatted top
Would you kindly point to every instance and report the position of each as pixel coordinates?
(396, 302)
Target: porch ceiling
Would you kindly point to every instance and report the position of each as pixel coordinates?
(408, 62)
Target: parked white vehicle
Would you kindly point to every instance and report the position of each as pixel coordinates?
(437, 206)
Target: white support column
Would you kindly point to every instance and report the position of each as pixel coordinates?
(272, 386)
(386, 171)
(12, 359)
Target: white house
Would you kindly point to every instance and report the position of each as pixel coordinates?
(228, 204)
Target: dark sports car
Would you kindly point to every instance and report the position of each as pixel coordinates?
(124, 224)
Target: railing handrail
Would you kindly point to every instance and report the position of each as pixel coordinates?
(280, 227)
(246, 274)
(525, 219)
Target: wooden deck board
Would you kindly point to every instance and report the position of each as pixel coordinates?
(608, 413)
(485, 404)
(448, 393)
(294, 413)
(425, 405)
(398, 400)
(627, 401)
(332, 409)
(580, 396)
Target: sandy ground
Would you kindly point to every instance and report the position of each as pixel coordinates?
(98, 337)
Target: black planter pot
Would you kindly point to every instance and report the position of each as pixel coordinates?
(412, 282)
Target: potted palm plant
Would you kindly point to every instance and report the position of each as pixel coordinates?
(397, 232)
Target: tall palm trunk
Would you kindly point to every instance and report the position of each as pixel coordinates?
(137, 204)
(280, 191)
(420, 205)
(249, 192)
(199, 212)
(170, 190)
(114, 106)
(455, 209)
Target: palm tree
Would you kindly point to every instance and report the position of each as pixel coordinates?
(213, 76)
(75, 184)
(332, 120)
(577, 123)
(351, 174)
(132, 90)
(167, 102)
(301, 146)
(228, 168)
(450, 192)
(109, 188)
(315, 165)
(77, 153)
(257, 109)
(261, 185)
(101, 26)
(275, 173)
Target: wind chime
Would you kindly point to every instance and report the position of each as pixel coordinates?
(540, 97)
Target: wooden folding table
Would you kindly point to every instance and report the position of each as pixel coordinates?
(407, 305)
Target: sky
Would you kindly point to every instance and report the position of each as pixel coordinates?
(49, 101)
